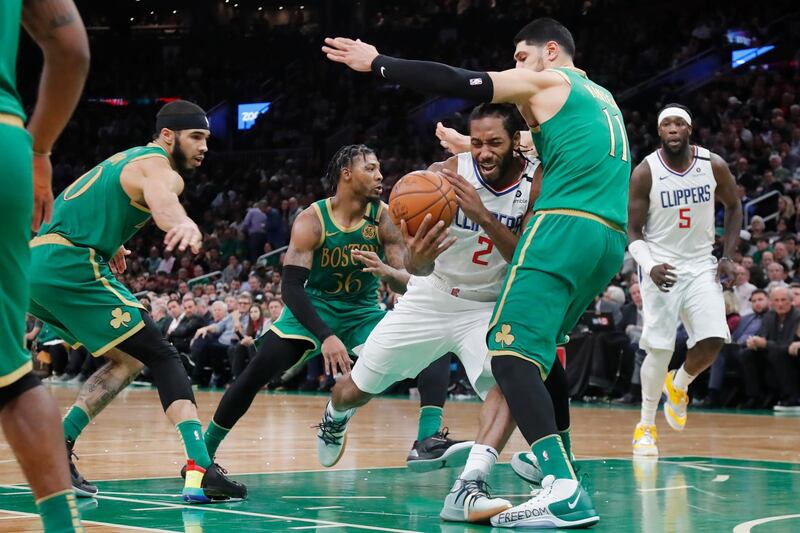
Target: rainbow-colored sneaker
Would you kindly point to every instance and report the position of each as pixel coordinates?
(207, 485)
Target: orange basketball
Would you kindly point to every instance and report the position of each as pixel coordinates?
(418, 193)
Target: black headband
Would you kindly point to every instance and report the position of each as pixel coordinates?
(182, 115)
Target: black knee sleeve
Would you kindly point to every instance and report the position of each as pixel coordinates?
(526, 395)
(558, 387)
(23, 384)
(151, 348)
(432, 382)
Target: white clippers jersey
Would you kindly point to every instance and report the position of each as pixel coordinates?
(680, 221)
(473, 267)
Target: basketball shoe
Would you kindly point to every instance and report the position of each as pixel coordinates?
(207, 485)
(469, 501)
(438, 451)
(675, 406)
(526, 466)
(332, 437)
(83, 488)
(645, 441)
(559, 503)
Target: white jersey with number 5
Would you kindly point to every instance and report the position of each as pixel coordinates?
(473, 268)
(680, 222)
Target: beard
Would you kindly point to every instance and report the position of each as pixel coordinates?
(182, 164)
(683, 147)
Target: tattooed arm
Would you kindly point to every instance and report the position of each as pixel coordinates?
(57, 28)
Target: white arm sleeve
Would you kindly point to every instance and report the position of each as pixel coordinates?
(641, 253)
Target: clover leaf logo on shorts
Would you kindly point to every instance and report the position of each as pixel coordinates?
(504, 336)
(121, 318)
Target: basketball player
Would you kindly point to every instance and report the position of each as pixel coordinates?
(571, 248)
(671, 233)
(449, 309)
(74, 290)
(331, 301)
(28, 414)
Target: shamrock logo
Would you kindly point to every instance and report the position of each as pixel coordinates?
(120, 318)
(504, 336)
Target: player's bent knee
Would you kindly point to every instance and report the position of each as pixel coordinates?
(16, 389)
(347, 395)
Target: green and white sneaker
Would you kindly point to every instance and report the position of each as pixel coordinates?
(560, 503)
(526, 466)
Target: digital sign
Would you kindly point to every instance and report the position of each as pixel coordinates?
(248, 113)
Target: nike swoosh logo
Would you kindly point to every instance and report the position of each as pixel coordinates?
(572, 504)
(662, 178)
(331, 233)
(383, 71)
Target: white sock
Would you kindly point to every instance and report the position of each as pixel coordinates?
(682, 379)
(481, 459)
(336, 415)
(653, 372)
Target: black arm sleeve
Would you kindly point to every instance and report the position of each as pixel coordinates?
(435, 78)
(294, 295)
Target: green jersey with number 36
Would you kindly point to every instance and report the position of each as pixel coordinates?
(585, 153)
(334, 274)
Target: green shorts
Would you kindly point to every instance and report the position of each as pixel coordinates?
(16, 203)
(350, 322)
(73, 290)
(564, 260)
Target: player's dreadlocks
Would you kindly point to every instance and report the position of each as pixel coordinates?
(342, 159)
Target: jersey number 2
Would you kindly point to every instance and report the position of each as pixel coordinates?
(685, 218)
(476, 257)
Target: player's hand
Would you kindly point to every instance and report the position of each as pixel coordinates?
(726, 273)
(117, 263)
(355, 54)
(663, 276)
(427, 244)
(468, 199)
(184, 235)
(451, 140)
(42, 191)
(335, 355)
(372, 263)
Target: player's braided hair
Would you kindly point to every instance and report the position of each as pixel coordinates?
(343, 158)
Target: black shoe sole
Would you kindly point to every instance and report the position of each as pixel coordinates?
(455, 455)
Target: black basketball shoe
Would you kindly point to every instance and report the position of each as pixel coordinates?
(83, 489)
(211, 484)
(438, 451)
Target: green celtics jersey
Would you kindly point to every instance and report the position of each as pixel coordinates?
(334, 274)
(10, 13)
(95, 212)
(585, 154)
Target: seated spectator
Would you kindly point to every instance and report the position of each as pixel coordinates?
(631, 325)
(159, 314)
(232, 271)
(241, 352)
(757, 228)
(167, 262)
(187, 324)
(748, 326)
(767, 360)
(210, 345)
(611, 302)
(275, 307)
(743, 289)
(776, 275)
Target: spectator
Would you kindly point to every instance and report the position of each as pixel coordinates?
(187, 325)
(275, 309)
(153, 261)
(611, 302)
(167, 262)
(159, 314)
(254, 227)
(294, 210)
(174, 314)
(232, 271)
(210, 345)
(769, 350)
(743, 289)
(776, 275)
(781, 173)
(794, 289)
(241, 352)
(748, 326)
(757, 229)
(632, 357)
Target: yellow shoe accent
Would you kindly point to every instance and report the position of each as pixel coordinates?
(675, 406)
(645, 441)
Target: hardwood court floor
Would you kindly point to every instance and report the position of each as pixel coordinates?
(726, 469)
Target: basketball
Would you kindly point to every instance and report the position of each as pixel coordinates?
(418, 193)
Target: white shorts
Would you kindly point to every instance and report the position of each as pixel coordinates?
(696, 300)
(426, 324)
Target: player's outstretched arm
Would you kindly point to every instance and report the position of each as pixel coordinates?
(726, 193)
(514, 86)
(57, 29)
(306, 237)
(638, 204)
(392, 271)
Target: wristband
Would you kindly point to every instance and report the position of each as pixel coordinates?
(641, 253)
